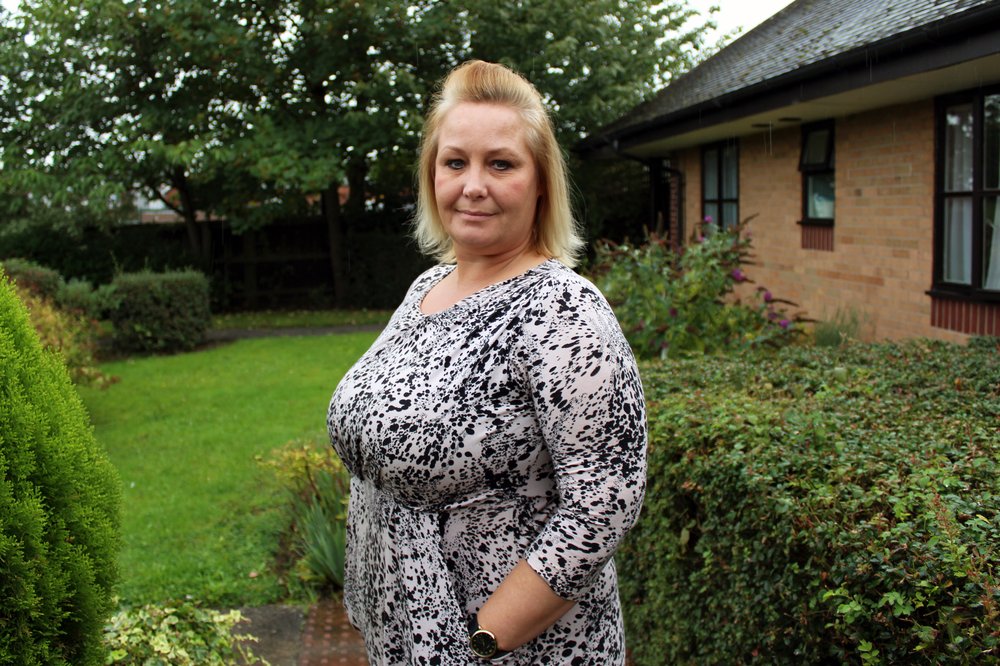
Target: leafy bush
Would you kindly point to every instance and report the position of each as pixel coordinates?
(70, 335)
(820, 506)
(674, 304)
(79, 296)
(317, 487)
(59, 507)
(160, 312)
(34, 277)
(181, 635)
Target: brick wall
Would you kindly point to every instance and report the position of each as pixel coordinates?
(881, 263)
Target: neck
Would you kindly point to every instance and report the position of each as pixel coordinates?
(476, 272)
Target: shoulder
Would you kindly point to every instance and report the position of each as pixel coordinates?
(565, 299)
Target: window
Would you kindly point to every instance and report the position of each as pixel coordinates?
(817, 167)
(720, 185)
(967, 216)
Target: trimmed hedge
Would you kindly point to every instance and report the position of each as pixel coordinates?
(160, 312)
(39, 279)
(59, 507)
(820, 506)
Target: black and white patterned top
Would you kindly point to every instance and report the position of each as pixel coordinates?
(509, 426)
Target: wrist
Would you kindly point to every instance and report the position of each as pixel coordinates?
(483, 642)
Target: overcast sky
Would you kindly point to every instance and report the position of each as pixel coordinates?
(735, 14)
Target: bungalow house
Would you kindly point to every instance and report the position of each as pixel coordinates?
(863, 136)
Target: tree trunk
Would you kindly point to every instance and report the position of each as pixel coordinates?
(190, 215)
(335, 237)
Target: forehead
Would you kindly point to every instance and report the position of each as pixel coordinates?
(476, 125)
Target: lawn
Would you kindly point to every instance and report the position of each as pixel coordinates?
(300, 319)
(200, 516)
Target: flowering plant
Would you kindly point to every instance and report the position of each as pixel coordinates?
(678, 302)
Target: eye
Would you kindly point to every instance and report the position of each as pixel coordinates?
(502, 165)
(454, 163)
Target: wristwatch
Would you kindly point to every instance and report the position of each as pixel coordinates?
(483, 642)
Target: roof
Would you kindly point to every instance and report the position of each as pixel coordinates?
(807, 39)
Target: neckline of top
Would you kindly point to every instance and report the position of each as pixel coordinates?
(466, 303)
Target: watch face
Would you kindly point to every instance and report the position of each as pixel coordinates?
(483, 643)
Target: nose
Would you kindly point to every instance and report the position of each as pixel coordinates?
(475, 184)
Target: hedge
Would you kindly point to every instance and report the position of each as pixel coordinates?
(820, 506)
(160, 312)
(59, 507)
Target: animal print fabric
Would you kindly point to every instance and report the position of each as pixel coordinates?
(509, 426)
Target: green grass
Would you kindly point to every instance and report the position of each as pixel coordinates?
(300, 318)
(200, 517)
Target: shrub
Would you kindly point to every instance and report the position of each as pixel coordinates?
(820, 506)
(317, 487)
(181, 635)
(59, 507)
(80, 297)
(34, 277)
(69, 334)
(160, 312)
(672, 304)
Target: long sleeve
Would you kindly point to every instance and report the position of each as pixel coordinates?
(588, 399)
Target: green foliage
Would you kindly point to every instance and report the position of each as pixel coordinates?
(239, 109)
(30, 275)
(185, 432)
(80, 297)
(59, 507)
(180, 635)
(676, 304)
(70, 335)
(820, 506)
(317, 486)
(160, 312)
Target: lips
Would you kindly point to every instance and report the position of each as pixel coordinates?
(475, 213)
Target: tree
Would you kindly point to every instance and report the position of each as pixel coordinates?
(245, 108)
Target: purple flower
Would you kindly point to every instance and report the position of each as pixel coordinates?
(784, 323)
(768, 297)
(772, 315)
(708, 219)
(738, 275)
(673, 312)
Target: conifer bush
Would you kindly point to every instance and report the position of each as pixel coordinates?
(59, 507)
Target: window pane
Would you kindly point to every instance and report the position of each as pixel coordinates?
(711, 213)
(730, 173)
(816, 145)
(820, 190)
(958, 240)
(729, 215)
(710, 174)
(958, 149)
(991, 145)
(991, 244)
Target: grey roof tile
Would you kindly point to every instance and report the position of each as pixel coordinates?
(804, 33)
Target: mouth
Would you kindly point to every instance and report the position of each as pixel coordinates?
(480, 214)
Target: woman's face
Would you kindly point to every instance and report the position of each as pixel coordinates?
(485, 181)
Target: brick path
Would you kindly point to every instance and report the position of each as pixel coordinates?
(328, 639)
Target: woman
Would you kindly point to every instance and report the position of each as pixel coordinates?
(495, 431)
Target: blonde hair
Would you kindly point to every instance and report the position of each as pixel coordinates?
(556, 233)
